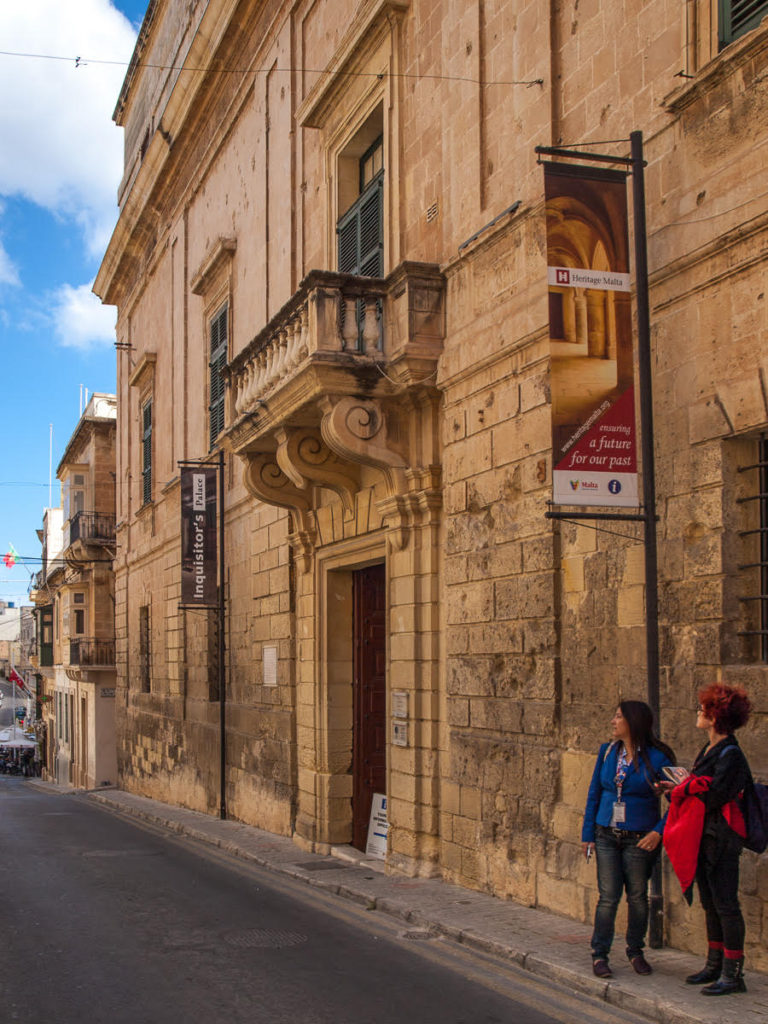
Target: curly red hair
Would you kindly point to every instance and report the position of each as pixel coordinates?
(727, 706)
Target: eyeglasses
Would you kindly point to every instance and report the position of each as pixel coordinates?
(699, 707)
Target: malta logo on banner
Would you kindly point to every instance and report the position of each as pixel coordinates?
(594, 442)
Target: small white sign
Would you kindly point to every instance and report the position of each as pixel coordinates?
(378, 828)
(400, 734)
(399, 704)
(269, 666)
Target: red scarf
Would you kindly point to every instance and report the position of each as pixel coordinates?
(685, 825)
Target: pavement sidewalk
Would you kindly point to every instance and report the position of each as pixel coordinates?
(538, 941)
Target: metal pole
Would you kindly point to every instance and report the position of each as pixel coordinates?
(656, 920)
(222, 650)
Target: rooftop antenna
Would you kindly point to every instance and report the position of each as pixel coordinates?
(81, 400)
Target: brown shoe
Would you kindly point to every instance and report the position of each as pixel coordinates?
(640, 964)
(600, 969)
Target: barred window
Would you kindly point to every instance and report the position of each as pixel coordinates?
(144, 649)
(754, 550)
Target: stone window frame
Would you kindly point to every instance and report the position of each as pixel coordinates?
(213, 282)
(750, 561)
(142, 379)
(708, 41)
(361, 76)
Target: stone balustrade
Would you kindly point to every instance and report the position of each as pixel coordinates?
(336, 315)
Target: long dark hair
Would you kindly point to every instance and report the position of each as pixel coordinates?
(639, 718)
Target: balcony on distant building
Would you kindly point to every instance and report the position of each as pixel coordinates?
(88, 652)
(92, 528)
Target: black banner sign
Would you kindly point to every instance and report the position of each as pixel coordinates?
(198, 536)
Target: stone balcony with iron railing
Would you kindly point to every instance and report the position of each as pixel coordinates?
(91, 528)
(343, 377)
(89, 652)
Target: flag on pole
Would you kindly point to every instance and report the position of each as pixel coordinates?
(11, 557)
(16, 678)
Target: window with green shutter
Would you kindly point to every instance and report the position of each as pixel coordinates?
(216, 363)
(146, 452)
(738, 17)
(360, 231)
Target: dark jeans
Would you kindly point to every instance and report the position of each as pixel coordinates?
(717, 876)
(621, 865)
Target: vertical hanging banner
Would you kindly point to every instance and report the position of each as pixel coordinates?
(594, 442)
(198, 536)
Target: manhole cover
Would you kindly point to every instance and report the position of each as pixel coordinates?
(321, 865)
(262, 938)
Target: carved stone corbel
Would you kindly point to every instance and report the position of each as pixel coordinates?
(305, 459)
(395, 514)
(264, 478)
(356, 429)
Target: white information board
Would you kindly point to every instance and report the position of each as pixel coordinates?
(377, 828)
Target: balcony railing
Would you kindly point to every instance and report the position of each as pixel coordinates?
(92, 528)
(92, 653)
(330, 315)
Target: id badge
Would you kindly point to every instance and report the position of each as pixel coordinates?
(619, 814)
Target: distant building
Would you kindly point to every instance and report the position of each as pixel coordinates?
(74, 597)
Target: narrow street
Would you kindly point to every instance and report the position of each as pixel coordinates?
(113, 921)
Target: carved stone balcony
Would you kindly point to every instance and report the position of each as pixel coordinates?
(343, 376)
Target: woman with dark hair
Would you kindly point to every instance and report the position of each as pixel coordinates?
(705, 835)
(622, 825)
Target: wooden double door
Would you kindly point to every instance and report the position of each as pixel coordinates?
(369, 755)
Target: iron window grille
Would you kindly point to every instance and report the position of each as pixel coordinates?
(759, 532)
(144, 649)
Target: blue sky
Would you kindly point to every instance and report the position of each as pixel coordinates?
(60, 166)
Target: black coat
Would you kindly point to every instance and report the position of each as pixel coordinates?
(729, 770)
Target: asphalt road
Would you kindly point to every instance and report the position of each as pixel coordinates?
(110, 920)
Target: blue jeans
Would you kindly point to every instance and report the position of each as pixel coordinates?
(621, 865)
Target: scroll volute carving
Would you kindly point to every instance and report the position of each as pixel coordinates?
(264, 478)
(306, 459)
(356, 429)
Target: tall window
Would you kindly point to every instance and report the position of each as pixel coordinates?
(739, 16)
(144, 649)
(360, 230)
(754, 566)
(146, 452)
(216, 363)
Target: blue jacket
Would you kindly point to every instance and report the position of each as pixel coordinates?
(642, 814)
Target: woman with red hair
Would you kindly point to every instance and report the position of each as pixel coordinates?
(705, 835)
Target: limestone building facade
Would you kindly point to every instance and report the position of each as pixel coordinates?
(74, 598)
(330, 265)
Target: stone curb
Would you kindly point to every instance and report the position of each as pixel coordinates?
(615, 993)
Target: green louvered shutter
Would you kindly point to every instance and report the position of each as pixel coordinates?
(146, 453)
(360, 234)
(217, 362)
(739, 16)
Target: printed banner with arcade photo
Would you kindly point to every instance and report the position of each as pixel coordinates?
(198, 536)
(594, 435)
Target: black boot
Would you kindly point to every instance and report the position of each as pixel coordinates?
(731, 981)
(710, 971)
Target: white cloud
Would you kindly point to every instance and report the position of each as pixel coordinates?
(60, 147)
(79, 319)
(8, 274)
